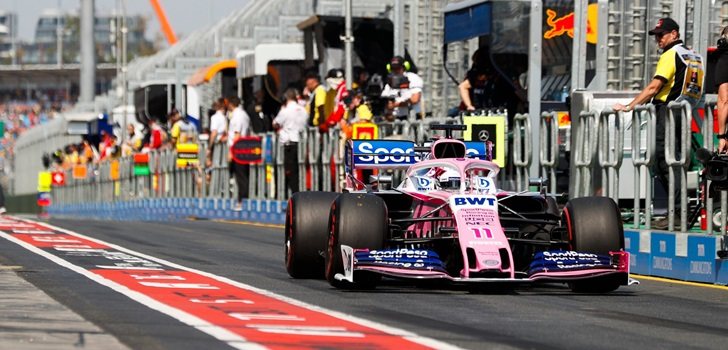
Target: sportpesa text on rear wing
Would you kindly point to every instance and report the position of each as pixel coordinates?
(395, 154)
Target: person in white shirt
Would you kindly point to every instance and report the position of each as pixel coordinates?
(218, 124)
(239, 127)
(218, 129)
(290, 122)
(403, 90)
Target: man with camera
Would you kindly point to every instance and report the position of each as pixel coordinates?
(721, 82)
(403, 90)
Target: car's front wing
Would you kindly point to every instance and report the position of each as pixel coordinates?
(619, 266)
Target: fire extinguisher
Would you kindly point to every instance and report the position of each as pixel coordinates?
(703, 213)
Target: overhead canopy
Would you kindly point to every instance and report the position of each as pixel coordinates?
(256, 62)
(81, 116)
(240, 56)
(78, 122)
(467, 19)
(204, 74)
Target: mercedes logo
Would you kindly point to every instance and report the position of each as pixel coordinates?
(483, 135)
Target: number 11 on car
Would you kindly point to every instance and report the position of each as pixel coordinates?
(479, 232)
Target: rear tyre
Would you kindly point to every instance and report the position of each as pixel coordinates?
(307, 233)
(594, 226)
(357, 220)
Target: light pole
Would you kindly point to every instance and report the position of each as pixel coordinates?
(124, 96)
(59, 37)
(88, 56)
(348, 43)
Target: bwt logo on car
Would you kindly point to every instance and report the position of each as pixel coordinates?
(474, 201)
(386, 150)
(482, 183)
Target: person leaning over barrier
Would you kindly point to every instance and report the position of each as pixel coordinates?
(290, 122)
(678, 76)
(721, 82)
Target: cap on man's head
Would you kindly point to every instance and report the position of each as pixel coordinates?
(665, 25)
(335, 73)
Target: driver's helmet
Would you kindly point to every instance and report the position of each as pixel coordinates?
(449, 180)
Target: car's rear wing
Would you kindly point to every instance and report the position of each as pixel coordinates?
(378, 154)
(397, 154)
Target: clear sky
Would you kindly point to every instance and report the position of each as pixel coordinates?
(185, 16)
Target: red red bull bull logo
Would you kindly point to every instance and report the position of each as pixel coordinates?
(565, 24)
(560, 25)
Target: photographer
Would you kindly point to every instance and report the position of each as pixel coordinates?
(721, 82)
(403, 90)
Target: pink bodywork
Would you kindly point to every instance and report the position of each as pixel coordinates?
(478, 226)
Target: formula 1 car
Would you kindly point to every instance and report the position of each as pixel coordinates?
(448, 220)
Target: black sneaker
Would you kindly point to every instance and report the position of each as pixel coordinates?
(660, 223)
(664, 223)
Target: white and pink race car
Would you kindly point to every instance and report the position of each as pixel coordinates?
(448, 220)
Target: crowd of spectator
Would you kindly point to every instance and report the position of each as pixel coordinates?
(17, 117)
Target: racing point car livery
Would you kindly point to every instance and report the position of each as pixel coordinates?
(448, 220)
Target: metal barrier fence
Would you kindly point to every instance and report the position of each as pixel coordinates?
(320, 165)
(611, 151)
(585, 149)
(521, 149)
(598, 148)
(549, 147)
(678, 158)
(643, 154)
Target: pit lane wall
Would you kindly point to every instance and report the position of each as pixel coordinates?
(173, 209)
(681, 256)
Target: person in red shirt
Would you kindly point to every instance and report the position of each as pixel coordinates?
(335, 80)
(157, 136)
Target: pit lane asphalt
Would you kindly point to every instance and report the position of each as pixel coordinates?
(653, 315)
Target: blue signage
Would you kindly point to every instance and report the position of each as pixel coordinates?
(701, 259)
(382, 153)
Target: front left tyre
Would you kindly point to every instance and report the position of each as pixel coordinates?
(594, 226)
(307, 233)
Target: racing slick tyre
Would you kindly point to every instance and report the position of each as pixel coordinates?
(594, 226)
(357, 220)
(307, 233)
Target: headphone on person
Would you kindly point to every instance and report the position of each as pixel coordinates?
(723, 40)
(405, 64)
